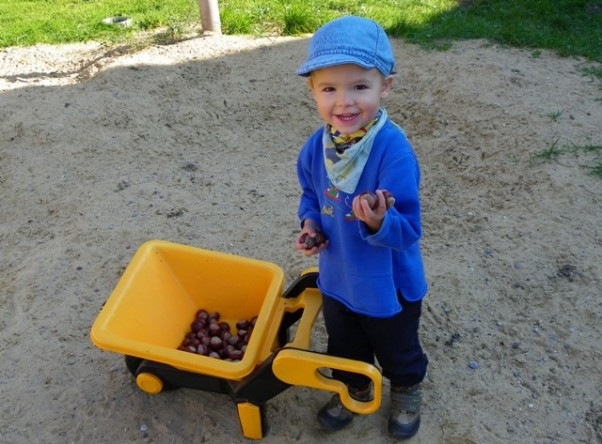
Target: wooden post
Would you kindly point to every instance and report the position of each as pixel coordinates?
(210, 16)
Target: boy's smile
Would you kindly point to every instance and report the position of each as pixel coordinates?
(348, 97)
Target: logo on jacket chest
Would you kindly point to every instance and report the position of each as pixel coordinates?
(338, 202)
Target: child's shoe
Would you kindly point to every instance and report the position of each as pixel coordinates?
(404, 420)
(335, 416)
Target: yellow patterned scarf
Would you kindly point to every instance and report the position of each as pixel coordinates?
(344, 141)
(345, 155)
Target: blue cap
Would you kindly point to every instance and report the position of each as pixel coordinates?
(353, 40)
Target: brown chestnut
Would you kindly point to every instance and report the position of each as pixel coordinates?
(214, 329)
(216, 343)
(221, 352)
(372, 199)
(236, 355)
(224, 326)
(196, 326)
(243, 324)
(236, 341)
(202, 315)
(389, 199)
(311, 242)
(228, 350)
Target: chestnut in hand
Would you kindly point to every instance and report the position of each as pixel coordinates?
(372, 199)
(311, 242)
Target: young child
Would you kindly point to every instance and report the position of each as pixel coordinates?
(371, 271)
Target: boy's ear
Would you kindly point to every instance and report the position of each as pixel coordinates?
(386, 89)
(309, 84)
(310, 88)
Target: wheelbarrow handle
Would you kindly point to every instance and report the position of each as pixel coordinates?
(301, 367)
(307, 279)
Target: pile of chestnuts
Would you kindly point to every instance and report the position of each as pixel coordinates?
(211, 337)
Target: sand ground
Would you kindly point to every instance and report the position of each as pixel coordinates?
(102, 149)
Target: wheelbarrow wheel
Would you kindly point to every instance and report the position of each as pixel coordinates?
(149, 383)
(132, 363)
(150, 379)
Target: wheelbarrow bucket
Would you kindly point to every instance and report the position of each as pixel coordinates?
(150, 310)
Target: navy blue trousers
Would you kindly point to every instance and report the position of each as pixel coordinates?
(393, 341)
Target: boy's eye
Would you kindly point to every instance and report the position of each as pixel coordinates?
(361, 87)
(328, 89)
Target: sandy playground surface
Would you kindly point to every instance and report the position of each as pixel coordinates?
(102, 149)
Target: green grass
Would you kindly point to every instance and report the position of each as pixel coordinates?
(570, 27)
(590, 154)
(29, 22)
(550, 153)
(555, 116)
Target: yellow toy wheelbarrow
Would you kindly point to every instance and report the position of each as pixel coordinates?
(150, 311)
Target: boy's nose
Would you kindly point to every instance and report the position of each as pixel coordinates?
(345, 98)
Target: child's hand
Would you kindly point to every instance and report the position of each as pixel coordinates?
(371, 216)
(311, 240)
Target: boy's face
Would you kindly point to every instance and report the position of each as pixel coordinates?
(347, 96)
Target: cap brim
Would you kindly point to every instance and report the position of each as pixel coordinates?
(326, 61)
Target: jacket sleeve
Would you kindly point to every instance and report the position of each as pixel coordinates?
(309, 205)
(401, 226)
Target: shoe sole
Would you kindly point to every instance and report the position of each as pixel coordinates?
(403, 432)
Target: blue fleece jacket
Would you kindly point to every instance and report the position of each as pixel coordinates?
(366, 271)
